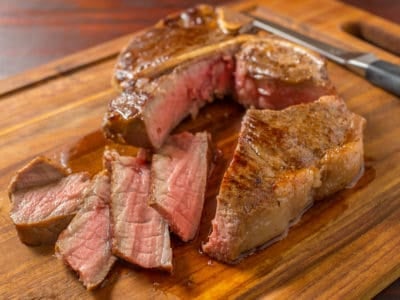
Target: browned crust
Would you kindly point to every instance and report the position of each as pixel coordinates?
(345, 163)
(201, 22)
(43, 233)
(126, 131)
(310, 65)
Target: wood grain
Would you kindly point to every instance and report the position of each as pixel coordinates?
(344, 247)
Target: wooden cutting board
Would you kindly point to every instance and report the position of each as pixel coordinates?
(347, 246)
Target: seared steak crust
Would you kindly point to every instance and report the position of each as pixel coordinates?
(166, 44)
(284, 161)
(274, 73)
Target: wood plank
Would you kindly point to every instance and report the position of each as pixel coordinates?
(344, 247)
(64, 66)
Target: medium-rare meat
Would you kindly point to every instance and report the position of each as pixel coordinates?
(171, 70)
(168, 72)
(85, 245)
(140, 234)
(44, 199)
(284, 161)
(144, 117)
(274, 73)
(178, 181)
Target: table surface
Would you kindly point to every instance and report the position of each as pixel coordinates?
(38, 31)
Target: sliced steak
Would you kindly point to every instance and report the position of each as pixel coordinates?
(85, 245)
(140, 234)
(179, 175)
(274, 73)
(284, 161)
(44, 200)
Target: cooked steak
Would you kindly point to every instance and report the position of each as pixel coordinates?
(144, 117)
(168, 72)
(179, 175)
(185, 61)
(176, 38)
(274, 73)
(44, 199)
(284, 161)
(140, 234)
(85, 245)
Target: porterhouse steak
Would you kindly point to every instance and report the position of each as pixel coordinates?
(185, 61)
(284, 160)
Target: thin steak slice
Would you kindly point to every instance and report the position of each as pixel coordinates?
(179, 175)
(85, 245)
(140, 234)
(274, 73)
(44, 199)
(284, 161)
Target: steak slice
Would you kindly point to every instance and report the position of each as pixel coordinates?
(44, 199)
(284, 161)
(179, 175)
(140, 234)
(274, 73)
(85, 245)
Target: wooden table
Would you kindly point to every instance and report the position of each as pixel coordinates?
(35, 32)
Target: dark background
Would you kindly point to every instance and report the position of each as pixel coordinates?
(34, 32)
